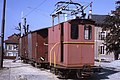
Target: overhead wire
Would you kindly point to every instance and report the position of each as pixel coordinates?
(35, 8)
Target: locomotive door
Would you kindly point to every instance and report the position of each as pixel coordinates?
(74, 44)
(61, 41)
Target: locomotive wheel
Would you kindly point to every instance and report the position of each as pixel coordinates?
(63, 74)
(78, 74)
(52, 70)
(81, 74)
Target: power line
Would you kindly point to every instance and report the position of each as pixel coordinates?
(46, 14)
(35, 8)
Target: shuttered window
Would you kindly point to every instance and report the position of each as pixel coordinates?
(74, 31)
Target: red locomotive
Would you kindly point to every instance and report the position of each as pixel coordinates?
(68, 47)
(71, 47)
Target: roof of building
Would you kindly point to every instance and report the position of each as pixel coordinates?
(99, 19)
(13, 39)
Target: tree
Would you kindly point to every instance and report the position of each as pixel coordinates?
(25, 27)
(112, 26)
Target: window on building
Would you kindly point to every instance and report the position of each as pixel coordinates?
(9, 47)
(87, 32)
(102, 35)
(10, 54)
(74, 31)
(101, 49)
(14, 54)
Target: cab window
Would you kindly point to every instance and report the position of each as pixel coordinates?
(87, 32)
(74, 31)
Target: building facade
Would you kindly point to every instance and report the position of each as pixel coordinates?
(11, 46)
(100, 36)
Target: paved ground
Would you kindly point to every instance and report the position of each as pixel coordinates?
(20, 71)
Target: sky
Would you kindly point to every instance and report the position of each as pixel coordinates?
(38, 12)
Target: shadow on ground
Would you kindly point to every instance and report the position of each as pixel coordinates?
(105, 72)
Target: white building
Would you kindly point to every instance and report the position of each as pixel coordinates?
(11, 47)
(100, 35)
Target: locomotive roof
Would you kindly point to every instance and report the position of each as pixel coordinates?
(76, 21)
(82, 21)
(79, 21)
(39, 29)
(35, 31)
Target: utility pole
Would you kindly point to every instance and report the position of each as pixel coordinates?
(2, 34)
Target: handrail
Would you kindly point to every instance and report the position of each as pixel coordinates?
(51, 52)
(54, 59)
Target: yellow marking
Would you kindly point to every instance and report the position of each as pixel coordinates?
(51, 52)
(54, 59)
(78, 42)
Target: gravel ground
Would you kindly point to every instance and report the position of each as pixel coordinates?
(20, 71)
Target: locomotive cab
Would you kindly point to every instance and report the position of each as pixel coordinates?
(71, 45)
(79, 43)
